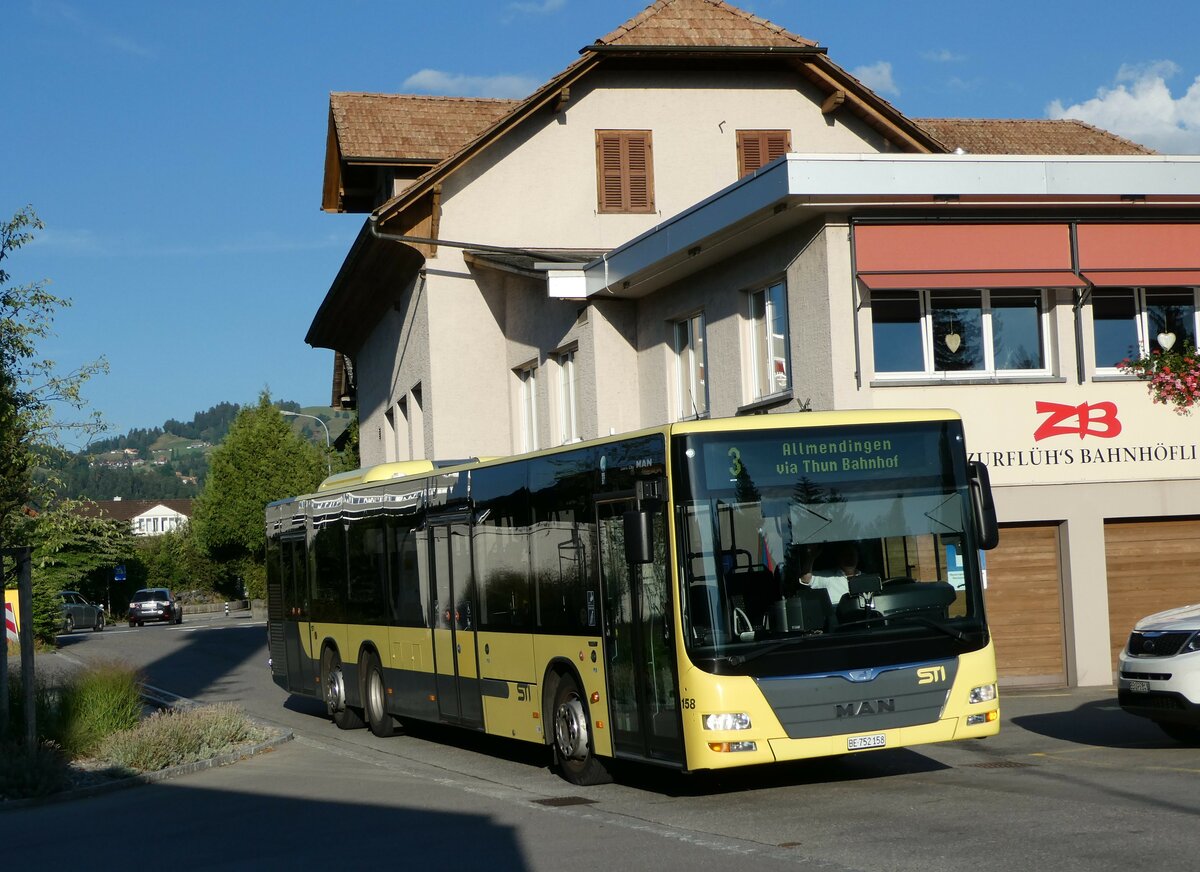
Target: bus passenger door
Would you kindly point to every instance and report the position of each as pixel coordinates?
(301, 669)
(454, 625)
(642, 685)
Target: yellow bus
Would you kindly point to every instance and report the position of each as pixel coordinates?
(701, 595)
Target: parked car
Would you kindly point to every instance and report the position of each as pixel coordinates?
(78, 612)
(1160, 672)
(154, 604)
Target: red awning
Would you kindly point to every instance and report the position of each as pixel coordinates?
(964, 256)
(1131, 247)
(935, 280)
(1144, 278)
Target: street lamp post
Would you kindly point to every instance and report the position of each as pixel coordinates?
(328, 444)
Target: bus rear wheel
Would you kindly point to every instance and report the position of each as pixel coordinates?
(333, 684)
(573, 747)
(379, 721)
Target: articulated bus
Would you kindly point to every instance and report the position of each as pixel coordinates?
(678, 596)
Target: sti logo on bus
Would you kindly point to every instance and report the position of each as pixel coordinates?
(866, 707)
(931, 675)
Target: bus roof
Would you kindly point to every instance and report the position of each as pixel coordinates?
(414, 468)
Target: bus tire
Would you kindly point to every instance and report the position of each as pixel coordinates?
(573, 747)
(333, 685)
(379, 721)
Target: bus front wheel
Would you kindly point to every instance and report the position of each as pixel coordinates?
(573, 747)
(334, 684)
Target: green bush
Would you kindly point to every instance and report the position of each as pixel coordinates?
(176, 736)
(29, 773)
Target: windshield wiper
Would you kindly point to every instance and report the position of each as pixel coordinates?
(957, 635)
(739, 659)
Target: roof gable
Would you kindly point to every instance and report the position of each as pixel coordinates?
(683, 27)
(701, 24)
(127, 510)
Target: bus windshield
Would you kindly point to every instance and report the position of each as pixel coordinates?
(813, 545)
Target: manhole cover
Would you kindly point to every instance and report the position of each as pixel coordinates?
(558, 801)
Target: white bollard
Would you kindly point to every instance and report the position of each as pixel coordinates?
(226, 609)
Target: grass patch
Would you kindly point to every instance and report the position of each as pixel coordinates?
(173, 737)
(95, 704)
(91, 728)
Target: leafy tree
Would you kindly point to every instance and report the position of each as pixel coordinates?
(176, 560)
(73, 551)
(261, 460)
(33, 394)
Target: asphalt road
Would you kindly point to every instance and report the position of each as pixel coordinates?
(1071, 783)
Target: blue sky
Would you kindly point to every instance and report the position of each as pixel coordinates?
(175, 150)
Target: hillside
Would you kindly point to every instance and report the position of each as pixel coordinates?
(171, 461)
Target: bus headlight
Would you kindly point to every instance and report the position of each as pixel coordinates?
(727, 721)
(983, 693)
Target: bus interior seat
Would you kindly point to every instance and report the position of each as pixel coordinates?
(758, 587)
(929, 598)
(707, 613)
(806, 610)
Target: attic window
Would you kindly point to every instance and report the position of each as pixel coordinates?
(757, 148)
(624, 171)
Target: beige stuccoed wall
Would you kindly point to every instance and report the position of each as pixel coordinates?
(538, 186)
(394, 358)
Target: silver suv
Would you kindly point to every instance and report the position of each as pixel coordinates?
(154, 604)
(1160, 672)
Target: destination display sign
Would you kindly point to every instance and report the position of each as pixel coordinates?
(784, 458)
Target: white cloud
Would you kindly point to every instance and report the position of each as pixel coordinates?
(1140, 106)
(456, 84)
(877, 77)
(943, 56)
(538, 8)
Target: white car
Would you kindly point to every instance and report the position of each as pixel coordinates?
(1160, 672)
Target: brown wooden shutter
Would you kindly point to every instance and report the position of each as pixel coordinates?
(757, 148)
(624, 171)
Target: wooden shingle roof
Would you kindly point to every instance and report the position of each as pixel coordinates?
(700, 24)
(1028, 136)
(394, 127)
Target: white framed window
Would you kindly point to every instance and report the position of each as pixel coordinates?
(568, 421)
(1132, 322)
(691, 365)
(770, 372)
(960, 333)
(527, 404)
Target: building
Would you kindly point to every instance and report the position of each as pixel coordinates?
(145, 517)
(705, 216)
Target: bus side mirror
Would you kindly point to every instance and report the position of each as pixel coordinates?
(639, 536)
(983, 508)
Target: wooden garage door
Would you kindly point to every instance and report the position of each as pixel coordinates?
(1152, 566)
(1025, 606)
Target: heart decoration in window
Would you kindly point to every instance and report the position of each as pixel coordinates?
(953, 341)
(1166, 340)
